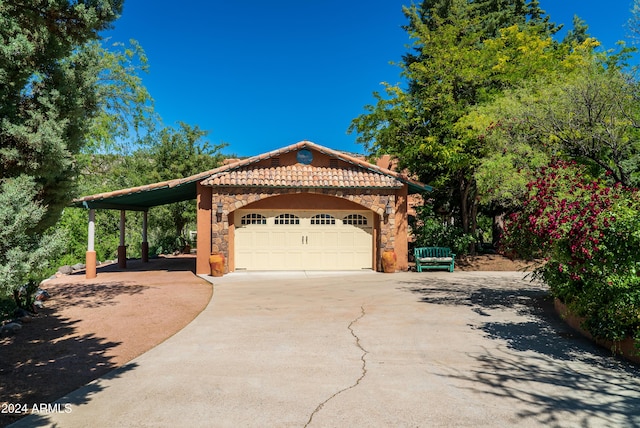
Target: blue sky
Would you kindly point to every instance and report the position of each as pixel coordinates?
(260, 75)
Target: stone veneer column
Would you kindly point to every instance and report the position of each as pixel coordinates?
(220, 225)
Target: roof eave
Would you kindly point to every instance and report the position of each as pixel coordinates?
(418, 188)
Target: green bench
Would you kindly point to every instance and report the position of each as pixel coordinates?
(434, 258)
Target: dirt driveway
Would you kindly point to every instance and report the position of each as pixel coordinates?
(404, 350)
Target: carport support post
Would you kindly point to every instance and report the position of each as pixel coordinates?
(90, 259)
(205, 218)
(122, 250)
(145, 244)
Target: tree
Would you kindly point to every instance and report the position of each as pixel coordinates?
(47, 91)
(579, 32)
(581, 107)
(634, 21)
(125, 110)
(493, 14)
(23, 254)
(461, 59)
(125, 113)
(180, 153)
(48, 98)
(589, 114)
(596, 120)
(165, 154)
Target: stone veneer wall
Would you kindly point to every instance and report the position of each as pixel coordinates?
(234, 198)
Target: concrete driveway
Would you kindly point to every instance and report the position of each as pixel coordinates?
(434, 349)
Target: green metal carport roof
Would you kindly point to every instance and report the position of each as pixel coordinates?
(144, 197)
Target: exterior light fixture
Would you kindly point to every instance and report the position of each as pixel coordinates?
(388, 209)
(219, 211)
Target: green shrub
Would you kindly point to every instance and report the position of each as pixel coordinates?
(433, 231)
(168, 244)
(24, 252)
(589, 234)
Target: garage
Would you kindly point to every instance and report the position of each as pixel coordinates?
(304, 207)
(303, 240)
(300, 207)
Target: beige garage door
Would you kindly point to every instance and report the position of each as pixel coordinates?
(303, 240)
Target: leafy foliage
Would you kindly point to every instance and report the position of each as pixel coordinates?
(589, 233)
(465, 55)
(125, 110)
(434, 230)
(73, 225)
(589, 114)
(48, 99)
(24, 255)
(490, 100)
(48, 91)
(175, 153)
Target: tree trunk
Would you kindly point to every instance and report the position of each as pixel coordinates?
(497, 229)
(464, 204)
(474, 222)
(468, 209)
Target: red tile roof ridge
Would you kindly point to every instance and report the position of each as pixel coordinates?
(308, 144)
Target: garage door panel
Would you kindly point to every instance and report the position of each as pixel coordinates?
(256, 259)
(281, 260)
(316, 260)
(347, 239)
(261, 239)
(261, 260)
(283, 239)
(328, 239)
(343, 259)
(292, 259)
(363, 236)
(243, 238)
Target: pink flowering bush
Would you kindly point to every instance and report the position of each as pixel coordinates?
(588, 233)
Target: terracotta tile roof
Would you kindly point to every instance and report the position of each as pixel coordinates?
(302, 176)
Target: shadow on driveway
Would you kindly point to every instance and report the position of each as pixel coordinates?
(538, 360)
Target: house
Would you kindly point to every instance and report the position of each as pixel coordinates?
(301, 207)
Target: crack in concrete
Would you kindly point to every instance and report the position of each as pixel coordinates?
(364, 368)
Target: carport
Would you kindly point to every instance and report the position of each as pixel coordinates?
(140, 198)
